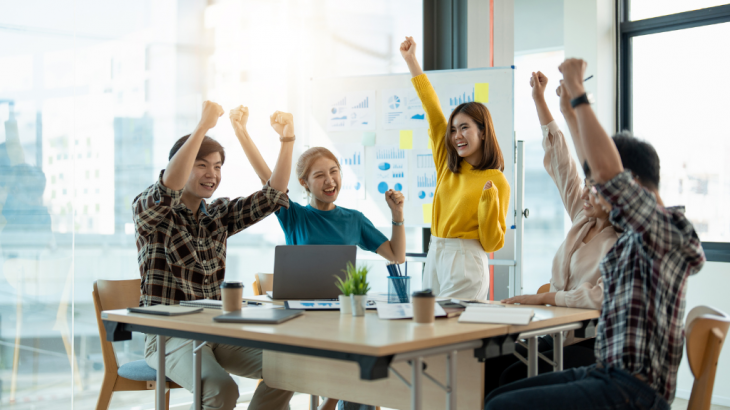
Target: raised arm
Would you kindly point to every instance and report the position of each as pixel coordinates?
(283, 124)
(408, 51)
(178, 169)
(599, 150)
(538, 82)
(239, 118)
(572, 121)
(395, 249)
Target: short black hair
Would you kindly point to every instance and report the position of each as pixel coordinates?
(207, 147)
(637, 156)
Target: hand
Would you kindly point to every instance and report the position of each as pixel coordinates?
(395, 200)
(408, 48)
(488, 185)
(538, 82)
(565, 98)
(573, 70)
(211, 113)
(239, 118)
(525, 300)
(283, 123)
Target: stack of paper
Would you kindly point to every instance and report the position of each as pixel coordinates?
(487, 314)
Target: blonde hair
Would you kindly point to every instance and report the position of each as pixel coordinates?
(304, 164)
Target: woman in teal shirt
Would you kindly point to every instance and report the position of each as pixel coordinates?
(321, 222)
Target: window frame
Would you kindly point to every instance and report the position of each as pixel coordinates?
(714, 251)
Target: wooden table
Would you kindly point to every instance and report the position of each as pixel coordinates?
(299, 352)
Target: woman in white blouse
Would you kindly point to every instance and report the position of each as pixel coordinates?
(576, 278)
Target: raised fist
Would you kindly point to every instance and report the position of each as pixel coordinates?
(211, 113)
(239, 118)
(283, 123)
(565, 98)
(395, 200)
(573, 69)
(538, 82)
(408, 48)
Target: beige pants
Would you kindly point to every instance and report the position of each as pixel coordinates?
(457, 268)
(220, 391)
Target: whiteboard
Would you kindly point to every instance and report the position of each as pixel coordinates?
(371, 99)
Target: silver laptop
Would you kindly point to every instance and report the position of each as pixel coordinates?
(308, 271)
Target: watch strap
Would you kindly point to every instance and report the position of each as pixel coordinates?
(581, 99)
(287, 139)
(398, 223)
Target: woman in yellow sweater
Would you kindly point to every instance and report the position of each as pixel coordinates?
(472, 195)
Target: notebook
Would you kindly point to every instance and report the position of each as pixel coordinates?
(204, 303)
(483, 314)
(259, 315)
(166, 310)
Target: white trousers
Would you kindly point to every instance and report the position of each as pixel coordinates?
(457, 268)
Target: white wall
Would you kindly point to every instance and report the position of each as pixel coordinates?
(709, 287)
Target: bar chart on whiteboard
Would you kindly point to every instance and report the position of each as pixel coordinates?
(390, 170)
(352, 162)
(423, 185)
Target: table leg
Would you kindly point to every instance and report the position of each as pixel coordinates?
(532, 356)
(161, 380)
(313, 402)
(451, 373)
(558, 352)
(197, 368)
(416, 378)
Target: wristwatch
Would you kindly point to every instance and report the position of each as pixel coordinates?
(581, 99)
(398, 223)
(287, 139)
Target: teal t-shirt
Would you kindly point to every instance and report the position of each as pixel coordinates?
(305, 225)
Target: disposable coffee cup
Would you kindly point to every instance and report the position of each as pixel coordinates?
(424, 303)
(232, 295)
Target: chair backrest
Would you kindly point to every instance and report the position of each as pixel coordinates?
(266, 282)
(110, 295)
(544, 288)
(706, 331)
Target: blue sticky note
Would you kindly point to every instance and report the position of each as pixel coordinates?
(368, 139)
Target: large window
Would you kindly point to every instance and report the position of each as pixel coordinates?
(92, 97)
(670, 96)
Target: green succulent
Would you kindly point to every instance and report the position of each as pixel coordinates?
(356, 280)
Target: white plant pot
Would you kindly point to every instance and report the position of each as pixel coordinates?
(358, 305)
(345, 304)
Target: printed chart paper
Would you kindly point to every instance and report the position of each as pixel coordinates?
(352, 161)
(402, 109)
(390, 170)
(423, 185)
(453, 95)
(351, 111)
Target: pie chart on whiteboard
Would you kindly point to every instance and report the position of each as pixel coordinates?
(383, 187)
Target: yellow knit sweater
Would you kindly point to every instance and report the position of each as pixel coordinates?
(461, 207)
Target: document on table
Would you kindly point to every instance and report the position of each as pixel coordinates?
(481, 314)
(403, 310)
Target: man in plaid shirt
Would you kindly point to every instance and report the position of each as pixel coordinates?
(181, 243)
(640, 333)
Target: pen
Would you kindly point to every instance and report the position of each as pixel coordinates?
(589, 77)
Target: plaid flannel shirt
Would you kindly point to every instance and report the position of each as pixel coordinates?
(184, 259)
(645, 275)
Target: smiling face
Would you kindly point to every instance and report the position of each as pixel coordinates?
(205, 176)
(323, 180)
(467, 138)
(591, 207)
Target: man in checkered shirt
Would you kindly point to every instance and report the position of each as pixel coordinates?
(181, 243)
(640, 334)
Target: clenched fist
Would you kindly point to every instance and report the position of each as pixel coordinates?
(283, 124)
(408, 48)
(395, 200)
(538, 82)
(239, 118)
(211, 113)
(573, 69)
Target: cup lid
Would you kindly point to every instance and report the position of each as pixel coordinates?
(426, 293)
(231, 285)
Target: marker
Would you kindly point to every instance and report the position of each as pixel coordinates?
(589, 77)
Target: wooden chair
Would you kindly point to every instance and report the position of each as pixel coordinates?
(133, 376)
(705, 332)
(264, 283)
(544, 288)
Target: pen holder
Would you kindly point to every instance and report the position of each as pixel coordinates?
(399, 289)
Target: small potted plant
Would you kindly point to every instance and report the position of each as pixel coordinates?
(345, 286)
(359, 287)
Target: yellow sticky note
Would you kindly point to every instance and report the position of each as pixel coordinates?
(427, 210)
(481, 92)
(406, 139)
(430, 145)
